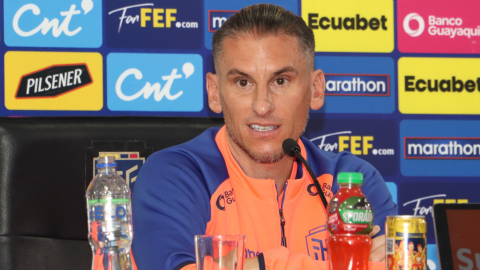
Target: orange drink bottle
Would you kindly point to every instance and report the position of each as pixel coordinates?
(349, 220)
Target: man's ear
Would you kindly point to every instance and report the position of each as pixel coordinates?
(317, 79)
(213, 93)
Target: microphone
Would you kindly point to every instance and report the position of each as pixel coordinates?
(292, 149)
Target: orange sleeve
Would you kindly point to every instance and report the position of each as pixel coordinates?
(189, 267)
(280, 259)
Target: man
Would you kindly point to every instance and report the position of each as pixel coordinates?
(237, 179)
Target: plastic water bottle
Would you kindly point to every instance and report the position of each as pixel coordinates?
(349, 220)
(109, 218)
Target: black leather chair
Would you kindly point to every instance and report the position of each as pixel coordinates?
(46, 165)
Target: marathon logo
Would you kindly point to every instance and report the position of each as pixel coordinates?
(348, 23)
(442, 148)
(357, 85)
(54, 81)
(216, 18)
(446, 85)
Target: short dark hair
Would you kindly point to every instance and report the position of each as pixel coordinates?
(262, 20)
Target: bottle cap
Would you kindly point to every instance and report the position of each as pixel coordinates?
(106, 161)
(350, 178)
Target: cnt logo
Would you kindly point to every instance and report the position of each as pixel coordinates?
(216, 18)
(54, 23)
(357, 85)
(438, 26)
(147, 15)
(155, 82)
(357, 145)
(441, 148)
(53, 81)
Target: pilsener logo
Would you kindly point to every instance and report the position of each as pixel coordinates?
(55, 23)
(216, 18)
(442, 148)
(439, 85)
(429, 22)
(155, 82)
(163, 24)
(53, 81)
(357, 85)
(365, 30)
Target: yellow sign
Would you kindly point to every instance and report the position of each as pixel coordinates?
(439, 85)
(53, 81)
(350, 25)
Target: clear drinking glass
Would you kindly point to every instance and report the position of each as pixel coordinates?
(224, 252)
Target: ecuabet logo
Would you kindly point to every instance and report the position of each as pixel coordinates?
(163, 24)
(55, 23)
(438, 85)
(440, 148)
(417, 18)
(340, 30)
(155, 82)
(52, 81)
(361, 138)
(430, 22)
(357, 85)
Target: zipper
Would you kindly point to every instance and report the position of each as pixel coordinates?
(282, 218)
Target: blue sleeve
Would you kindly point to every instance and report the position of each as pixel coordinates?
(373, 187)
(170, 204)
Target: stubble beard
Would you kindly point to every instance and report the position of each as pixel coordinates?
(270, 158)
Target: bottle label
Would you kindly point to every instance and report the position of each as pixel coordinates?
(356, 210)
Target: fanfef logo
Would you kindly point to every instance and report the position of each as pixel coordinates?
(53, 81)
(413, 17)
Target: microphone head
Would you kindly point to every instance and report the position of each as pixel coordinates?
(290, 146)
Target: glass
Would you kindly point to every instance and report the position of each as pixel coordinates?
(224, 252)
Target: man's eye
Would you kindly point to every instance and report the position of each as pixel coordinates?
(280, 81)
(243, 83)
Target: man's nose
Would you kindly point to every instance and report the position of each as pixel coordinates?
(263, 103)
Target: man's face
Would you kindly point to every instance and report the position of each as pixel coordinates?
(265, 90)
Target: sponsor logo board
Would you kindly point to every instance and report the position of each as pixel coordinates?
(417, 198)
(53, 81)
(155, 82)
(357, 84)
(54, 23)
(363, 27)
(217, 12)
(153, 24)
(440, 148)
(423, 24)
(366, 139)
(439, 85)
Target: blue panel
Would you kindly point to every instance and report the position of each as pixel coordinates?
(53, 23)
(155, 82)
(223, 9)
(347, 73)
(457, 161)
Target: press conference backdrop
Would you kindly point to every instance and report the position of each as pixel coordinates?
(402, 90)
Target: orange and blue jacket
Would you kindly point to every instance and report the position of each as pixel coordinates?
(198, 188)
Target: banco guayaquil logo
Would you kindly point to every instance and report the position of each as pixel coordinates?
(153, 24)
(53, 23)
(450, 27)
(155, 82)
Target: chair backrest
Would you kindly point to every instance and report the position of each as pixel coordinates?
(46, 165)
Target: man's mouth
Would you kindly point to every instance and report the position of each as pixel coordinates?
(263, 128)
